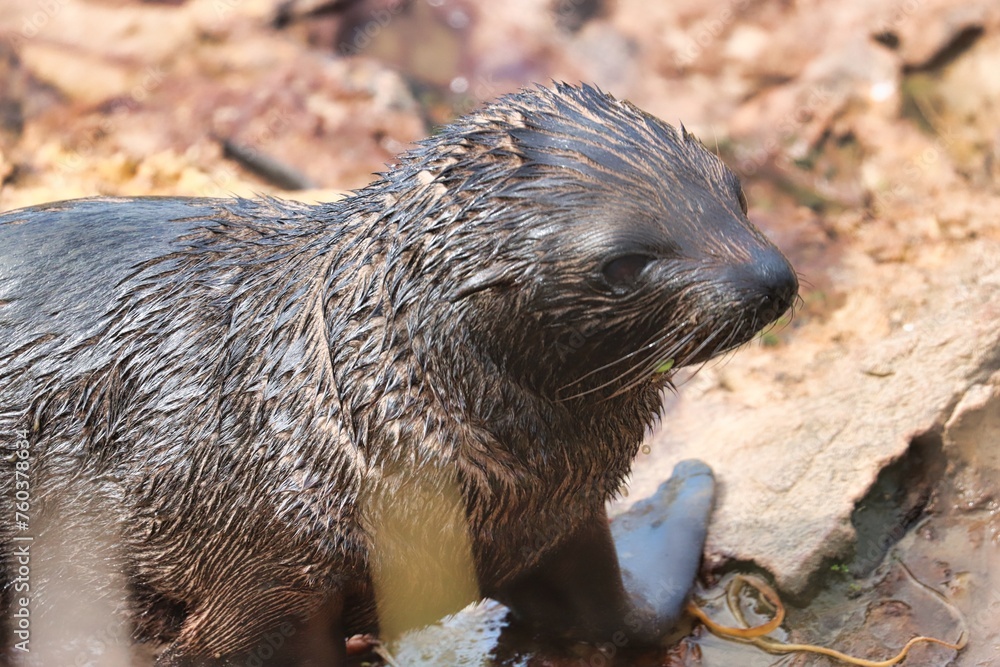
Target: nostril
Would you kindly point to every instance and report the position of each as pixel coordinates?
(781, 297)
(768, 310)
(772, 306)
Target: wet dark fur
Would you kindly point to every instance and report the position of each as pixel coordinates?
(242, 384)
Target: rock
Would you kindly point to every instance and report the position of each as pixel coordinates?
(970, 438)
(926, 29)
(965, 99)
(792, 466)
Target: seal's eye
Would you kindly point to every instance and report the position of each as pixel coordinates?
(743, 201)
(624, 271)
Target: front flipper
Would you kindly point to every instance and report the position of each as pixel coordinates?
(580, 591)
(659, 543)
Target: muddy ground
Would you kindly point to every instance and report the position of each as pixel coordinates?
(857, 445)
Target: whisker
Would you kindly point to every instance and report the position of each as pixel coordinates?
(639, 379)
(656, 353)
(652, 342)
(726, 352)
(641, 363)
(653, 361)
(649, 300)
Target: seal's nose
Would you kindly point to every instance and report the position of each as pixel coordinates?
(776, 284)
(768, 285)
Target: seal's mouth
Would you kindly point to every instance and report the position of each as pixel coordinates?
(710, 318)
(749, 297)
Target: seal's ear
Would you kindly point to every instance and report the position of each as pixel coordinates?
(497, 275)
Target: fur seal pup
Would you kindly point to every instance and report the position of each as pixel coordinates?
(320, 420)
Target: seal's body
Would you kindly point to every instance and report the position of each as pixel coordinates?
(365, 414)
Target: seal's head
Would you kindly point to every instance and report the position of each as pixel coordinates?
(583, 246)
